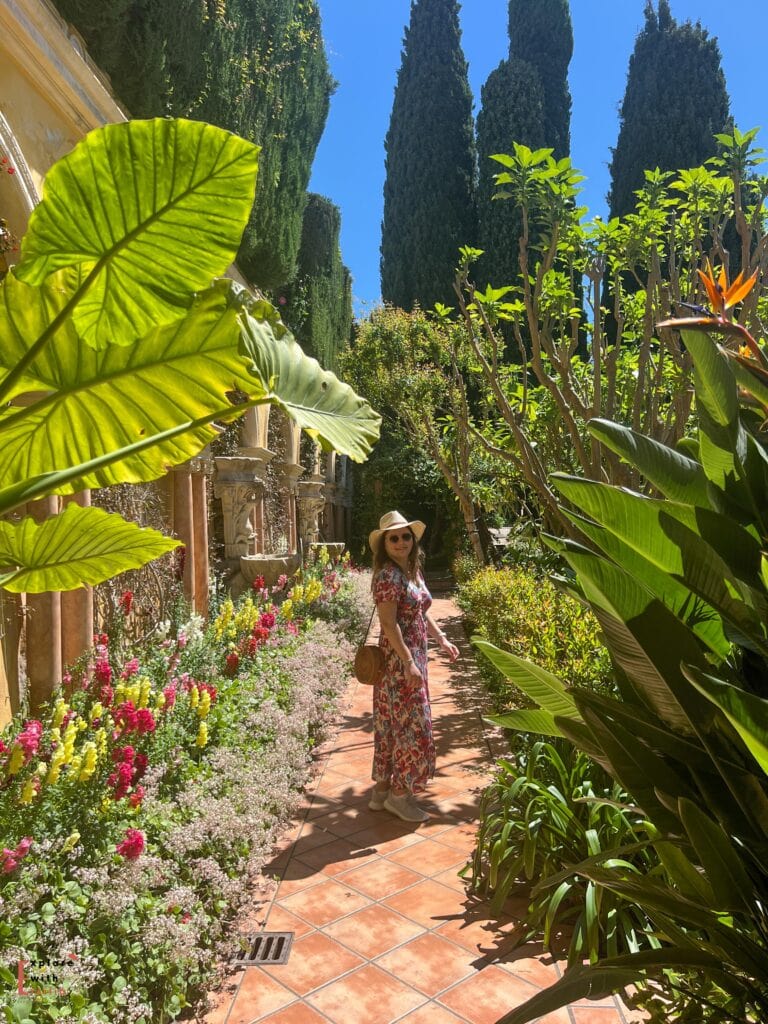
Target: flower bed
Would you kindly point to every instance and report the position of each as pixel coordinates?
(137, 812)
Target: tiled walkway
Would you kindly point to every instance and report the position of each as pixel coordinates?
(384, 930)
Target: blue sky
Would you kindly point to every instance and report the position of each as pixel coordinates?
(364, 43)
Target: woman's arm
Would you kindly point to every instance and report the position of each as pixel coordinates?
(388, 619)
(445, 644)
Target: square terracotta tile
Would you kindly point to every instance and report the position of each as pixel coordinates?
(388, 834)
(487, 996)
(429, 963)
(323, 903)
(596, 1015)
(296, 1013)
(428, 857)
(345, 821)
(257, 996)
(340, 855)
(373, 931)
(314, 961)
(368, 995)
(431, 1013)
(296, 877)
(556, 1017)
(539, 970)
(380, 878)
(453, 880)
(479, 931)
(429, 903)
(461, 837)
(281, 920)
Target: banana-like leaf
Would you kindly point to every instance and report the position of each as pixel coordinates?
(149, 211)
(699, 616)
(82, 545)
(185, 374)
(534, 720)
(674, 474)
(710, 554)
(597, 981)
(688, 879)
(747, 713)
(715, 384)
(646, 641)
(541, 686)
(722, 865)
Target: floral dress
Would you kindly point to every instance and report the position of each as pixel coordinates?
(404, 750)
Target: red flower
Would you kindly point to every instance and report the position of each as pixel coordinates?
(103, 670)
(170, 696)
(106, 694)
(120, 780)
(258, 583)
(126, 602)
(132, 846)
(130, 668)
(29, 738)
(140, 764)
(233, 662)
(123, 754)
(135, 798)
(267, 620)
(145, 721)
(126, 716)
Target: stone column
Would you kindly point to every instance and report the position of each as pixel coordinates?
(309, 506)
(76, 608)
(11, 624)
(183, 525)
(239, 485)
(43, 627)
(288, 474)
(330, 490)
(201, 568)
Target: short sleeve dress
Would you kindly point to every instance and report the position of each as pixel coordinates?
(404, 749)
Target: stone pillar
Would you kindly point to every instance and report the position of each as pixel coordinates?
(288, 474)
(201, 568)
(309, 506)
(76, 608)
(239, 485)
(43, 628)
(183, 525)
(11, 623)
(329, 490)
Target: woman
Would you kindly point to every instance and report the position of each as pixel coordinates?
(404, 751)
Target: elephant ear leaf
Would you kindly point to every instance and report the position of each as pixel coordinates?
(80, 546)
(148, 212)
(315, 399)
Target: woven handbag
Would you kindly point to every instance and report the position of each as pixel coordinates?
(369, 659)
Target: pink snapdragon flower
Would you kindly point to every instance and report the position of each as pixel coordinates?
(130, 668)
(132, 845)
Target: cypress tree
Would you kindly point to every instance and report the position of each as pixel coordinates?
(254, 67)
(429, 208)
(318, 305)
(675, 100)
(527, 100)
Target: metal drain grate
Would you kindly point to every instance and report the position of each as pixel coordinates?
(266, 948)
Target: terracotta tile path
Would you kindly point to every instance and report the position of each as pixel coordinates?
(384, 930)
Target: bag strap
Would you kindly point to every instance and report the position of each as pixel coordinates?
(370, 623)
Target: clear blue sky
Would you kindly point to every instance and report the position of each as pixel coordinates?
(364, 43)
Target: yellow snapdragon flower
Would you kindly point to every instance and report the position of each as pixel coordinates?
(29, 792)
(59, 712)
(202, 735)
(205, 704)
(194, 697)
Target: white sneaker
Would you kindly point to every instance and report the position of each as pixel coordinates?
(378, 799)
(404, 808)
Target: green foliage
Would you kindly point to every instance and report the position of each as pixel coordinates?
(429, 193)
(675, 101)
(526, 100)
(679, 587)
(254, 67)
(318, 304)
(526, 614)
(193, 747)
(549, 810)
(117, 359)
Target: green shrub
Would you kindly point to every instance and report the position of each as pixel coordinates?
(540, 817)
(526, 614)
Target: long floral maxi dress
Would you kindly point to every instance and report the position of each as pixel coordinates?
(404, 750)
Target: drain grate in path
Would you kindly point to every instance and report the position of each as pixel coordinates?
(265, 948)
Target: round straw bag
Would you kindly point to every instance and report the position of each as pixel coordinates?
(369, 664)
(369, 659)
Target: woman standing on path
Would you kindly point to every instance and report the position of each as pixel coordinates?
(404, 751)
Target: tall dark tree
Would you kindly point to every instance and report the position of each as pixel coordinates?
(319, 302)
(527, 100)
(429, 196)
(675, 100)
(255, 67)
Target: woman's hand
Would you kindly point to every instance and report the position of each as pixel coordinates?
(450, 649)
(412, 670)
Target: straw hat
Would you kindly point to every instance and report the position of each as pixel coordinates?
(391, 521)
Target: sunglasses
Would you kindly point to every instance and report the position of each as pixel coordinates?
(394, 538)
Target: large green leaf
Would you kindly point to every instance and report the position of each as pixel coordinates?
(747, 713)
(149, 211)
(699, 616)
(674, 474)
(597, 981)
(541, 686)
(534, 720)
(722, 865)
(715, 384)
(82, 545)
(709, 553)
(318, 401)
(183, 375)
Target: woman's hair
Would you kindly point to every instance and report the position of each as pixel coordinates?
(380, 557)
